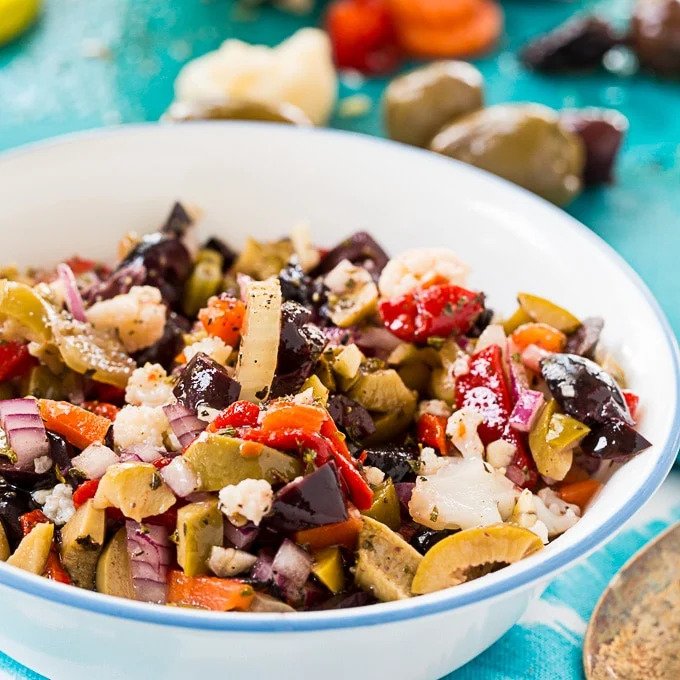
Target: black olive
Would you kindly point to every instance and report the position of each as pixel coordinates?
(360, 249)
(583, 390)
(14, 502)
(482, 321)
(219, 246)
(427, 538)
(614, 440)
(177, 222)
(578, 44)
(351, 417)
(204, 382)
(584, 340)
(395, 461)
(169, 346)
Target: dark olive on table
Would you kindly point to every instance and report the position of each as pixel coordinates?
(583, 390)
(655, 35)
(577, 44)
(237, 110)
(602, 131)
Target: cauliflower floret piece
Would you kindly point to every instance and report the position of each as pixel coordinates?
(249, 500)
(430, 463)
(57, 503)
(299, 71)
(149, 386)
(419, 266)
(140, 425)
(463, 494)
(374, 476)
(462, 429)
(214, 347)
(137, 317)
(557, 515)
(435, 407)
(525, 516)
(499, 454)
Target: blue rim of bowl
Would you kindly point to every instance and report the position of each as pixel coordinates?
(380, 613)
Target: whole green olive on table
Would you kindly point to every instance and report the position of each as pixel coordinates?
(523, 143)
(418, 104)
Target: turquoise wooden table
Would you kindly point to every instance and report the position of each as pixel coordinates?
(89, 64)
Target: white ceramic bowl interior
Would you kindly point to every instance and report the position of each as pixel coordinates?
(80, 194)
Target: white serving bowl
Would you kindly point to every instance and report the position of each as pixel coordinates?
(80, 194)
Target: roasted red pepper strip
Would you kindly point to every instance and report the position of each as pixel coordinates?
(633, 402)
(238, 414)
(484, 388)
(84, 492)
(432, 432)
(28, 520)
(434, 311)
(15, 361)
(292, 440)
(101, 408)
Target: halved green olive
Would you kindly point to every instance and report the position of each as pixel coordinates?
(237, 110)
(472, 553)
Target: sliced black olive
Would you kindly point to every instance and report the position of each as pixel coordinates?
(395, 461)
(614, 440)
(351, 417)
(584, 339)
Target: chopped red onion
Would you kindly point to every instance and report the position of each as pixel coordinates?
(150, 556)
(515, 475)
(526, 410)
(74, 300)
(95, 460)
(141, 453)
(518, 378)
(185, 425)
(26, 434)
(240, 537)
(262, 569)
(291, 568)
(404, 492)
(179, 476)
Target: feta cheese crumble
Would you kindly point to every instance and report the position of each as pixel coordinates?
(247, 501)
(140, 425)
(149, 386)
(57, 503)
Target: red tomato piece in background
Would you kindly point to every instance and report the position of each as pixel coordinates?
(362, 35)
(15, 361)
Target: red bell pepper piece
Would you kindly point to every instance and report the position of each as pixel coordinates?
(437, 310)
(101, 408)
(633, 402)
(432, 432)
(28, 520)
(84, 492)
(238, 414)
(109, 394)
(15, 361)
(81, 266)
(485, 389)
(362, 35)
(292, 440)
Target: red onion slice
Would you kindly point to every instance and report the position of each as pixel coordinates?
(26, 434)
(240, 537)
(74, 300)
(150, 555)
(526, 410)
(185, 425)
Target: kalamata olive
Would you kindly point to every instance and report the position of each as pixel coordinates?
(418, 104)
(524, 143)
(177, 222)
(169, 346)
(296, 286)
(118, 283)
(655, 35)
(310, 501)
(614, 440)
(14, 502)
(300, 346)
(583, 390)
(483, 320)
(584, 339)
(360, 249)
(351, 417)
(395, 461)
(346, 601)
(204, 382)
(602, 131)
(578, 44)
(425, 539)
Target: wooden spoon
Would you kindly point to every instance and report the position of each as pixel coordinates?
(635, 629)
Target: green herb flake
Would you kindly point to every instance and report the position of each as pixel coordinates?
(434, 515)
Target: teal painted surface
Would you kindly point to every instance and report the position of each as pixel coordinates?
(48, 87)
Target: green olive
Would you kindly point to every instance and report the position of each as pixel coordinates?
(237, 110)
(523, 143)
(419, 103)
